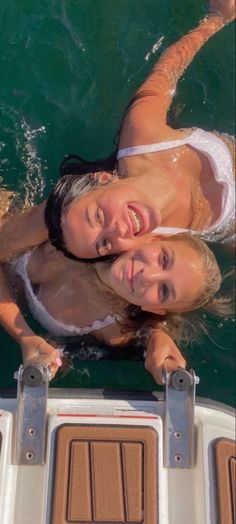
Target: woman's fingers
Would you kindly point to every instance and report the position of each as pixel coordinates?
(176, 358)
(169, 365)
(46, 361)
(51, 359)
(168, 353)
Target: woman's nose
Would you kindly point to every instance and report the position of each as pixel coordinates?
(116, 230)
(121, 229)
(150, 274)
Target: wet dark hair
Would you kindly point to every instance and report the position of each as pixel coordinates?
(76, 179)
(76, 165)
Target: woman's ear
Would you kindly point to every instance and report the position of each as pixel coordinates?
(103, 177)
(151, 310)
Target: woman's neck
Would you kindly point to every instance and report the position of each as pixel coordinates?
(160, 189)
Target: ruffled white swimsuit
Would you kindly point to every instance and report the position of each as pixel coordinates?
(19, 266)
(220, 159)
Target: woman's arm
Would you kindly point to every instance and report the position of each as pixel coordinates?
(34, 348)
(147, 114)
(22, 231)
(162, 353)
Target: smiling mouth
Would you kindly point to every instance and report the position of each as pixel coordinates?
(136, 221)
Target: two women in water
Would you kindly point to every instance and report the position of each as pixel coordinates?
(164, 178)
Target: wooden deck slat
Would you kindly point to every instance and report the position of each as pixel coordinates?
(79, 488)
(107, 482)
(133, 480)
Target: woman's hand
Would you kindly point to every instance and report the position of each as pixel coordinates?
(223, 8)
(35, 350)
(162, 353)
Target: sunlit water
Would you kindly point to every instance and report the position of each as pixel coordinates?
(68, 70)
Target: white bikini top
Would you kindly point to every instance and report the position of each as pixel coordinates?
(19, 266)
(221, 162)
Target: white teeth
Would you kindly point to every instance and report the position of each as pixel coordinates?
(135, 219)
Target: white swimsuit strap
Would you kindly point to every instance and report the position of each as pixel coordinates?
(42, 315)
(151, 148)
(170, 230)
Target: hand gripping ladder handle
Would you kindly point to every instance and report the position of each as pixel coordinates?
(32, 394)
(179, 419)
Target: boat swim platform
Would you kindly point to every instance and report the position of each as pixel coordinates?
(104, 459)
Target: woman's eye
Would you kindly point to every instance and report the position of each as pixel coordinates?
(99, 216)
(165, 259)
(164, 293)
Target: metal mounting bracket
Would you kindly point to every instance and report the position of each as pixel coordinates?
(179, 419)
(32, 394)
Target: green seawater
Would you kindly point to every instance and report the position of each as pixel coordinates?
(68, 68)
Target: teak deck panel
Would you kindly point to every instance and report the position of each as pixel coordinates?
(105, 475)
(225, 454)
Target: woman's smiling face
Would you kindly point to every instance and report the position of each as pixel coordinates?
(108, 220)
(160, 276)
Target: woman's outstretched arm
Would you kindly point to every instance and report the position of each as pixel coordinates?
(22, 231)
(147, 115)
(162, 353)
(34, 348)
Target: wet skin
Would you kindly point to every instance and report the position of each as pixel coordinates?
(159, 275)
